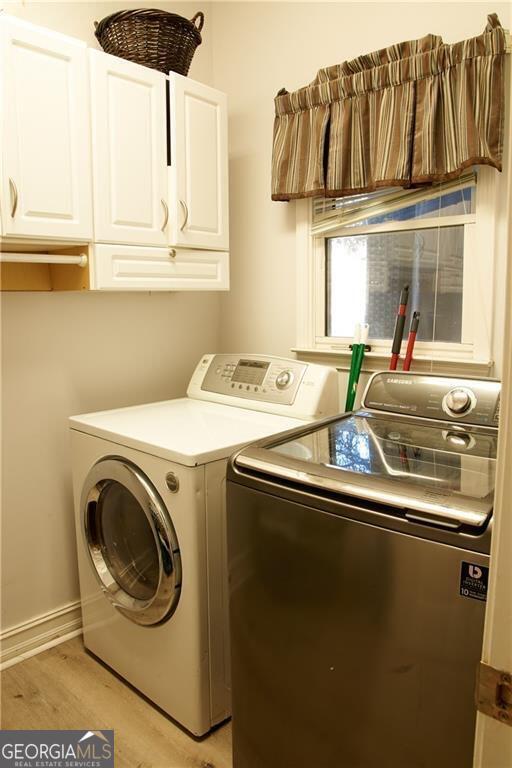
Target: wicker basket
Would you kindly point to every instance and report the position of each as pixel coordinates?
(163, 41)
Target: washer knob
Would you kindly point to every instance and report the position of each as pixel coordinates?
(458, 400)
(284, 379)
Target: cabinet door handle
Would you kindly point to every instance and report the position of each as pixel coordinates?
(14, 197)
(166, 214)
(185, 209)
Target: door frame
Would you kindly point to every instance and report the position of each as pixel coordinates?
(493, 740)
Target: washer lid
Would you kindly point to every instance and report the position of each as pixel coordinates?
(184, 431)
(444, 473)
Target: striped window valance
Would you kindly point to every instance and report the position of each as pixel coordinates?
(414, 113)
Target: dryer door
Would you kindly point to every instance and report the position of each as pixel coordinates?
(131, 541)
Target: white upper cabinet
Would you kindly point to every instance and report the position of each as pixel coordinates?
(127, 267)
(45, 184)
(86, 142)
(129, 151)
(198, 175)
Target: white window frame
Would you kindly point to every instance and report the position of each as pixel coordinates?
(478, 283)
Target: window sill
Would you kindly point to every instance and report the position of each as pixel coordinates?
(377, 361)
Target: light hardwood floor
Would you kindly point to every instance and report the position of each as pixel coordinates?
(65, 687)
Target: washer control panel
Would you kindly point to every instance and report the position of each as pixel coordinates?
(470, 401)
(273, 380)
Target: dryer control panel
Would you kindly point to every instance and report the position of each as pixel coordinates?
(266, 383)
(275, 381)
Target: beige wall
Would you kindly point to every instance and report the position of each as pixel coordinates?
(73, 353)
(258, 49)
(65, 354)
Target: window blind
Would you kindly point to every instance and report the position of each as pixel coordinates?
(330, 213)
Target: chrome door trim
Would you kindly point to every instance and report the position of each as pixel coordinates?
(162, 605)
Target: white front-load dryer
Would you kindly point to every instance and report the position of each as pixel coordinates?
(143, 575)
(149, 497)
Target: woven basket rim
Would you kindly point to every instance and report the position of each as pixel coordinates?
(133, 13)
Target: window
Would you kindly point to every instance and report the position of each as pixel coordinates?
(365, 274)
(362, 250)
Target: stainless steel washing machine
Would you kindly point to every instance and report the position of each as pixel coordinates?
(358, 559)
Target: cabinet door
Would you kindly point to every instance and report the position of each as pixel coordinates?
(199, 165)
(45, 142)
(124, 267)
(129, 151)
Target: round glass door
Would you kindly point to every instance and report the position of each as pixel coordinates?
(131, 541)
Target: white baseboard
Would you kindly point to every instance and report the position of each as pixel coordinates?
(31, 637)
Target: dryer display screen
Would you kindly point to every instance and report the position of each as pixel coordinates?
(250, 372)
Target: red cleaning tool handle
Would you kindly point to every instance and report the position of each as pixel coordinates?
(413, 330)
(410, 347)
(399, 328)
